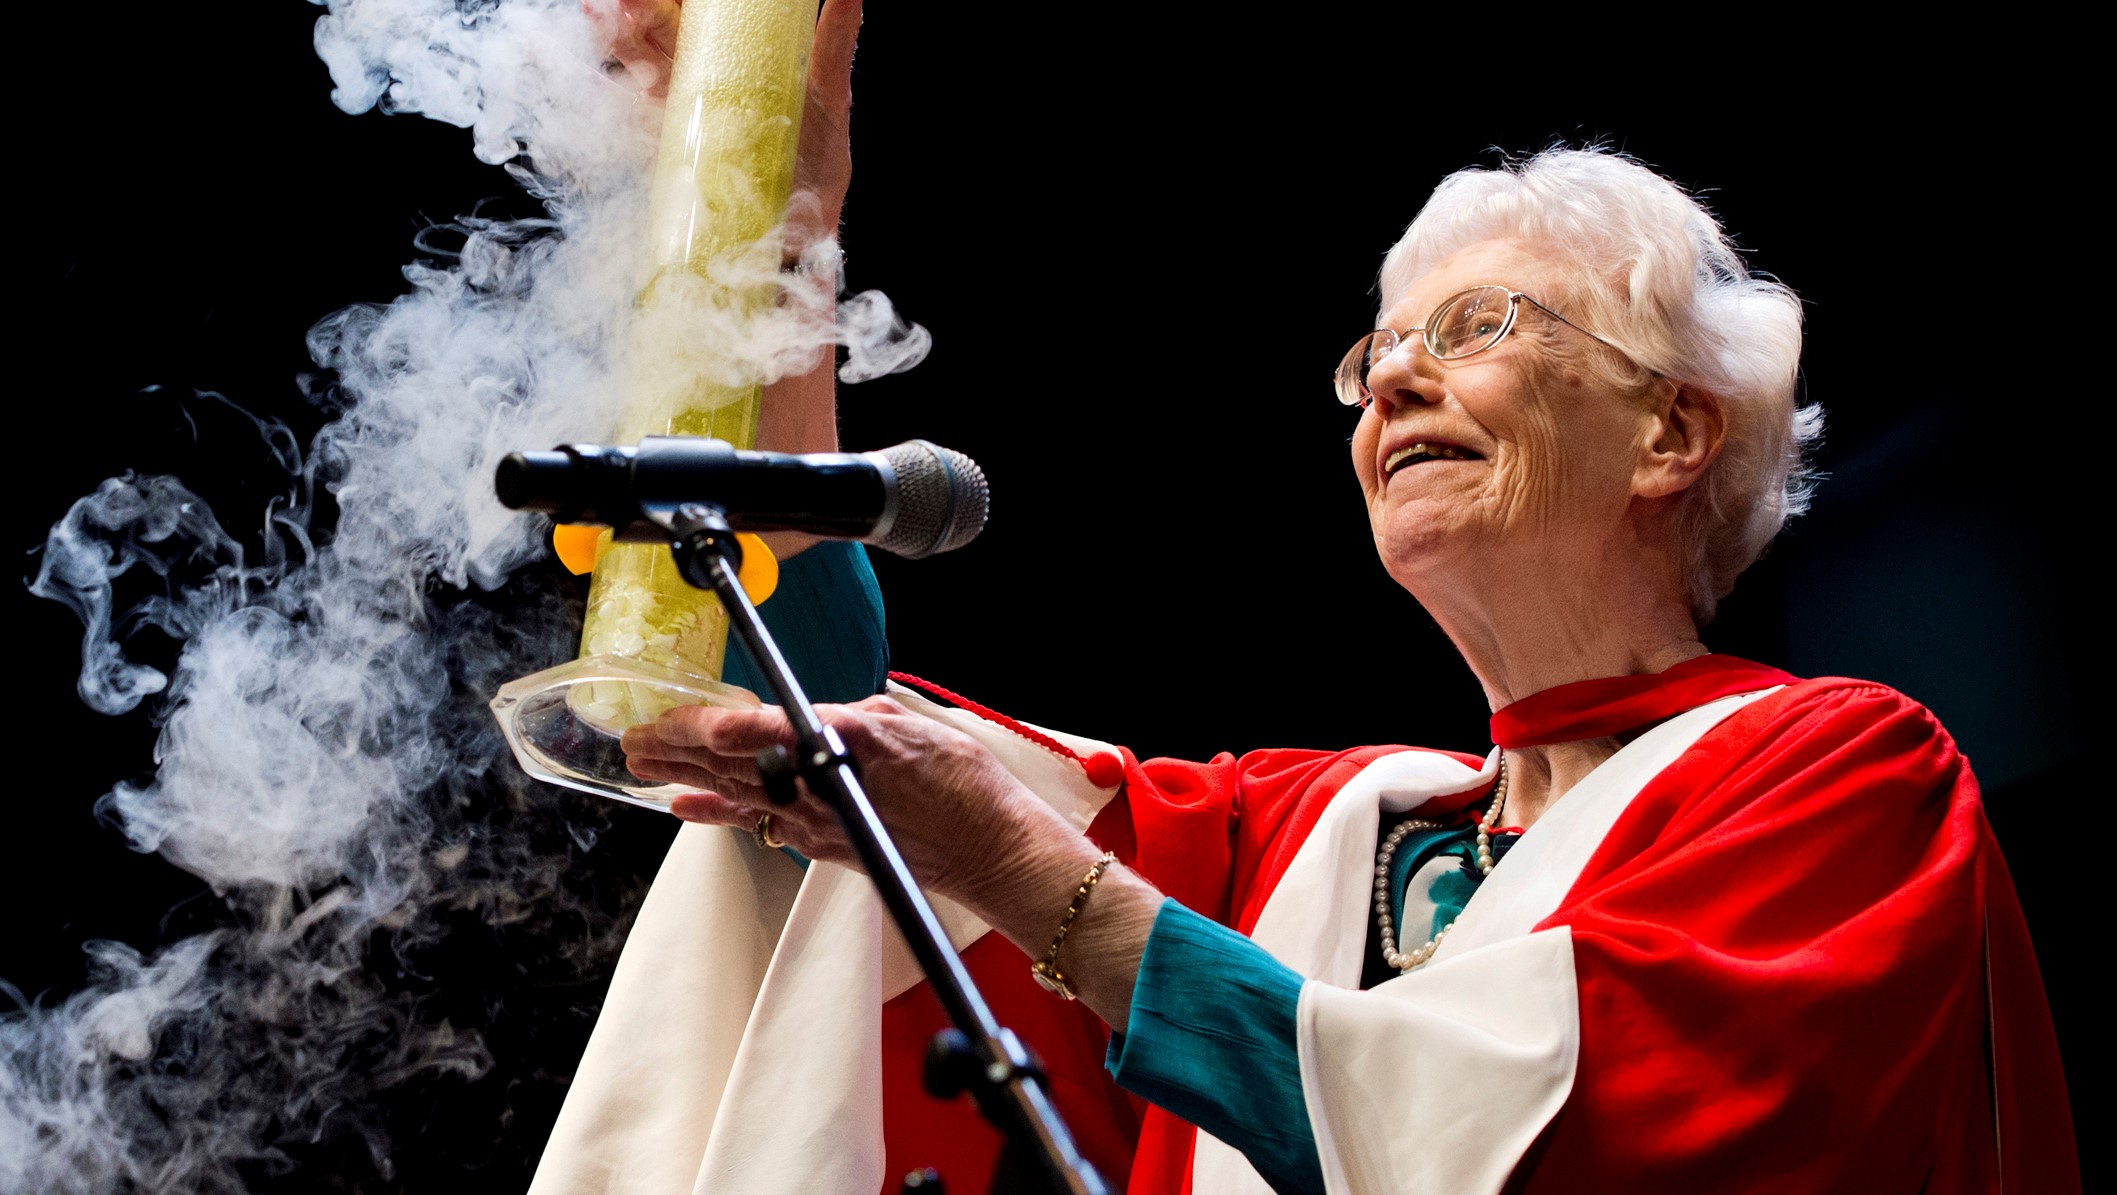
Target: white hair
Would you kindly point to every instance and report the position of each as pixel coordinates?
(1656, 275)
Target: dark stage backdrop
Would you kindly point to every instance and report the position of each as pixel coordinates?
(1140, 251)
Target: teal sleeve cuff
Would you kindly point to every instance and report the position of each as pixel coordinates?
(1212, 1037)
(827, 617)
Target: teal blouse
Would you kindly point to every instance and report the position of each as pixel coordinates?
(1210, 1004)
(826, 616)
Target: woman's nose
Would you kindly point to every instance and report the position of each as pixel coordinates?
(1407, 377)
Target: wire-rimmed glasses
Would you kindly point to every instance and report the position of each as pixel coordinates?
(1465, 324)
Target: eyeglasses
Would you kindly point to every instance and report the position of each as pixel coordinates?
(1463, 325)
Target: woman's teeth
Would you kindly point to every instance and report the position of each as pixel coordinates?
(1423, 451)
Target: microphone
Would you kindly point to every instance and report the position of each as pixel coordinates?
(913, 500)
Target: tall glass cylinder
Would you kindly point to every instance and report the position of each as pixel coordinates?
(721, 184)
(722, 178)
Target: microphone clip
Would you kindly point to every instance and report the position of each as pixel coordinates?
(698, 532)
(699, 535)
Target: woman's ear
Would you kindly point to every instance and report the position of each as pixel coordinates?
(1683, 437)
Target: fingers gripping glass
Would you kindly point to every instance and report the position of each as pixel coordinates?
(1464, 324)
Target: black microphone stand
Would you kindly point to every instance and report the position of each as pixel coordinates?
(977, 1055)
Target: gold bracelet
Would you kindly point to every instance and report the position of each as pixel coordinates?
(1046, 970)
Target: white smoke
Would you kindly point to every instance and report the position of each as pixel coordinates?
(325, 760)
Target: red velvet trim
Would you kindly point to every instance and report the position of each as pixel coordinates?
(1592, 709)
(1105, 770)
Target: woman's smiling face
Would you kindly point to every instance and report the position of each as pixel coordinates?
(1512, 456)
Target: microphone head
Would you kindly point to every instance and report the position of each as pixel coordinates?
(941, 500)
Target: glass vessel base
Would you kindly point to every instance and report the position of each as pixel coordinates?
(564, 723)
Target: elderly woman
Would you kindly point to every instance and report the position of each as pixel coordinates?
(1692, 924)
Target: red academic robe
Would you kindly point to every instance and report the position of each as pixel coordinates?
(1799, 961)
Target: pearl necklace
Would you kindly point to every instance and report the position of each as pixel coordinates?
(1390, 953)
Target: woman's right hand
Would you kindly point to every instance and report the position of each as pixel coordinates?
(642, 36)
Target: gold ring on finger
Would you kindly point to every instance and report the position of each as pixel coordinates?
(762, 832)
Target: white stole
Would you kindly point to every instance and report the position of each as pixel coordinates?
(739, 1048)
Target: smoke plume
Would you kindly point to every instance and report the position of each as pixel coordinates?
(326, 762)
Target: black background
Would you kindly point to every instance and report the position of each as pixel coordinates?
(1140, 249)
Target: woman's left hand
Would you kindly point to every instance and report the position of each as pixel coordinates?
(963, 823)
(966, 827)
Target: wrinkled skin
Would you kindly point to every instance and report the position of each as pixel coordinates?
(1556, 448)
(968, 803)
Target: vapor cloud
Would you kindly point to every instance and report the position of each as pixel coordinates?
(326, 763)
